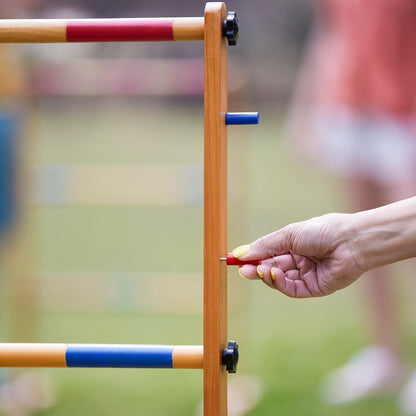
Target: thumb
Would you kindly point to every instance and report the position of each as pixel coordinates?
(265, 247)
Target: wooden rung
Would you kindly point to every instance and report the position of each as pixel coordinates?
(101, 30)
(101, 355)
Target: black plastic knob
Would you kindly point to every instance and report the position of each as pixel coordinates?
(230, 28)
(230, 357)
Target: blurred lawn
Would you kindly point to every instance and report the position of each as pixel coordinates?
(289, 345)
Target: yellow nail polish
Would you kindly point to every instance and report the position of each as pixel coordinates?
(273, 274)
(261, 275)
(239, 272)
(240, 251)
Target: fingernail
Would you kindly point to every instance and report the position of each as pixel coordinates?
(261, 275)
(239, 272)
(240, 251)
(272, 273)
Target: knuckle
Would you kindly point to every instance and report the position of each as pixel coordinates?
(263, 246)
(261, 243)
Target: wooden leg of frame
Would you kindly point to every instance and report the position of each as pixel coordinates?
(215, 211)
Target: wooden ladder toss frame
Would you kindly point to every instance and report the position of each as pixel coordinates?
(210, 30)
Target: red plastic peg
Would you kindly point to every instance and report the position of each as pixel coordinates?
(233, 261)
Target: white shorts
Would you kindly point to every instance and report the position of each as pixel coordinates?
(376, 147)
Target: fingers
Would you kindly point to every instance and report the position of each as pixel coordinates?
(293, 275)
(265, 247)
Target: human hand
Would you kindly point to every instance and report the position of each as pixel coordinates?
(305, 259)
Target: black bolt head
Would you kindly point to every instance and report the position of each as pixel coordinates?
(230, 357)
(230, 28)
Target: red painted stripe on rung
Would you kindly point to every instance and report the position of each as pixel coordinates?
(119, 30)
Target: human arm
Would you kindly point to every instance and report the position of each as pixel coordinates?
(324, 254)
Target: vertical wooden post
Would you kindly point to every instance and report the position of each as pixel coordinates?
(215, 210)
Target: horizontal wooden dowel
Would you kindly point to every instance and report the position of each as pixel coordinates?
(101, 355)
(188, 356)
(101, 30)
(32, 355)
(188, 28)
(32, 31)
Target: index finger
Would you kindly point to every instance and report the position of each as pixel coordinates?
(271, 245)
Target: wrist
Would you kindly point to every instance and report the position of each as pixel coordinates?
(383, 235)
(359, 232)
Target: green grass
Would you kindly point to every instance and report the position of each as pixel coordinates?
(288, 345)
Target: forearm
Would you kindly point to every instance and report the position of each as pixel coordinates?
(383, 235)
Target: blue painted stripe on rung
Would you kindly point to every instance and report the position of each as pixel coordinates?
(119, 356)
(241, 118)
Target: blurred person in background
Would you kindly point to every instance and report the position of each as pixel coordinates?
(353, 113)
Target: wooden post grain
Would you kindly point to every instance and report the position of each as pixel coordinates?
(215, 210)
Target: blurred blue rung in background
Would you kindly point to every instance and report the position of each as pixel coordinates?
(8, 136)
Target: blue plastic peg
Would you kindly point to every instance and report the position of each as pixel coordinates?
(233, 119)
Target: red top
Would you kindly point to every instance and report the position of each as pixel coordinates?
(366, 56)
